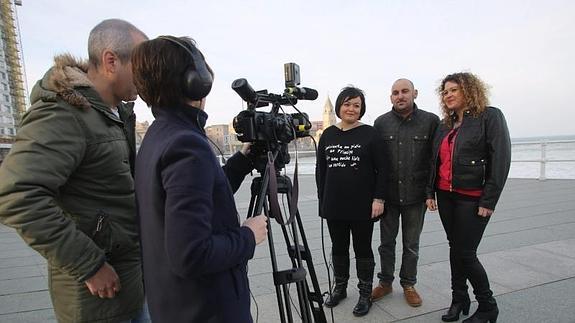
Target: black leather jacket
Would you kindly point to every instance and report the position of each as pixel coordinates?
(481, 156)
(407, 154)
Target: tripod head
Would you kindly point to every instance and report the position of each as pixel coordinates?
(260, 155)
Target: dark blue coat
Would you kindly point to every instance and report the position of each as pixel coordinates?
(194, 250)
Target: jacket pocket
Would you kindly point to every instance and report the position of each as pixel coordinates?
(470, 172)
(111, 238)
(388, 143)
(472, 161)
(420, 144)
(101, 233)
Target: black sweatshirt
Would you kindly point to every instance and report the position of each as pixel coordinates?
(349, 173)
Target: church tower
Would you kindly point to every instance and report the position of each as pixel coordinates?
(328, 114)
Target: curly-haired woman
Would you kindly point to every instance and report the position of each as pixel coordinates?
(472, 155)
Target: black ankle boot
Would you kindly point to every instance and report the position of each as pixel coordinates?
(456, 307)
(339, 293)
(341, 273)
(364, 268)
(483, 316)
(363, 305)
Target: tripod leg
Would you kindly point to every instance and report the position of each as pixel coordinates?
(282, 309)
(310, 302)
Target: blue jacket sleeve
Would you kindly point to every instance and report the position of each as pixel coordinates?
(236, 169)
(194, 244)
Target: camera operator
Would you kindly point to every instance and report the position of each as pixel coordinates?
(194, 250)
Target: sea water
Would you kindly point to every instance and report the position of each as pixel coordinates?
(557, 148)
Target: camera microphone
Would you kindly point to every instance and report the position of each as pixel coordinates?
(245, 91)
(302, 93)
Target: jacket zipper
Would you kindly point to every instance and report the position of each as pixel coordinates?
(451, 164)
(99, 223)
(452, 153)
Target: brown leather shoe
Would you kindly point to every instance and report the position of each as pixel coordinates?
(380, 290)
(411, 296)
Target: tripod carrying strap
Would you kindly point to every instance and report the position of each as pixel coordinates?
(273, 193)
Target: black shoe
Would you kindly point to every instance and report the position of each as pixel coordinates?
(484, 316)
(336, 296)
(362, 306)
(452, 314)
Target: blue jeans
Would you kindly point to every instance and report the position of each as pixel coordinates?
(411, 226)
(143, 316)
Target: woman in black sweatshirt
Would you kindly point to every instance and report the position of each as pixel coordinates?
(350, 189)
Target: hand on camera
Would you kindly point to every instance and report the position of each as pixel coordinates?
(258, 225)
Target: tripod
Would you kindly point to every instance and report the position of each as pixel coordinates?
(310, 302)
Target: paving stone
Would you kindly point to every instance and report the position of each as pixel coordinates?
(527, 251)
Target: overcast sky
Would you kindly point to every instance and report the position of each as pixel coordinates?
(523, 49)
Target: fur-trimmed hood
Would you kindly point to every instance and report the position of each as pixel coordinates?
(62, 80)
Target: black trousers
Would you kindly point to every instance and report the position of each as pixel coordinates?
(361, 231)
(464, 229)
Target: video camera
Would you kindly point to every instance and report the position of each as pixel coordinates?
(272, 131)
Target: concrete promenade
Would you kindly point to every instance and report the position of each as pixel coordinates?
(528, 251)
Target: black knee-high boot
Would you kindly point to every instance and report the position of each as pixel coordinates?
(365, 267)
(341, 275)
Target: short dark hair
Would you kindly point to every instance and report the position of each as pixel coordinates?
(349, 92)
(159, 66)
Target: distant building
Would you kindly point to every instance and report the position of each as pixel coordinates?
(12, 85)
(328, 118)
(219, 136)
(141, 129)
(316, 126)
(328, 114)
(5, 145)
(232, 142)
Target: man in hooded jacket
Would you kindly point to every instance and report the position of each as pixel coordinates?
(67, 184)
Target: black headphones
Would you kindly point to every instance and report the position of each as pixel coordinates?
(198, 80)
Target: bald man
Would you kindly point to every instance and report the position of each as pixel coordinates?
(406, 132)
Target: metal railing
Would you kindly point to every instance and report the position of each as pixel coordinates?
(543, 160)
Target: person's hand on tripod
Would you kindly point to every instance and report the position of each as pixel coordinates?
(258, 225)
